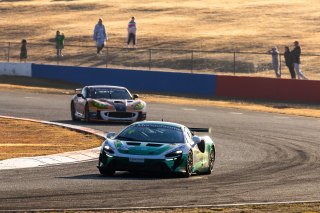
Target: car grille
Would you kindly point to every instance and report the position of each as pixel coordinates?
(120, 114)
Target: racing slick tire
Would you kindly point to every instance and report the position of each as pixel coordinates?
(189, 165)
(106, 172)
(86, 113)
(212, 158)
(73, 112)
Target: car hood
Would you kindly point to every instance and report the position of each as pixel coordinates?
(143, 148)
(107, 103)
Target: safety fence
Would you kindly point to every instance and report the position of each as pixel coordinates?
(155, 59)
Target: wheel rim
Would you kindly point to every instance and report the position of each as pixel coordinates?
(211, 160)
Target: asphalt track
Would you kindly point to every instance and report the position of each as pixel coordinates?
(261, 157)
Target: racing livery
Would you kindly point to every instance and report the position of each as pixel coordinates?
(108, 103)
(157, 147)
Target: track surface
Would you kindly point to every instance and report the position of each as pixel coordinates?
(261, 157)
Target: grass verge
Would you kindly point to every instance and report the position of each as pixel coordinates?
(28, 139)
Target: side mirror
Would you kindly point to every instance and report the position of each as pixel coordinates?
(110, 135)
(196, 139)
(80, 95)
(135, 96)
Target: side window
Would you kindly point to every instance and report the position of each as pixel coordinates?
(84, 92)
(189, 135)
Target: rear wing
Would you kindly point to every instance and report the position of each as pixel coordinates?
(200, 129)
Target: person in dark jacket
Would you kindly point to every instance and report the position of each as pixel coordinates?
(23, 51)
(288, 61)
(296, 52)
(59, 43)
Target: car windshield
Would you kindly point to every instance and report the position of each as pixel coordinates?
(159, 133)
(109, 93)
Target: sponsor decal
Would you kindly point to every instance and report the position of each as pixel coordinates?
(99, 104)
(160, 126)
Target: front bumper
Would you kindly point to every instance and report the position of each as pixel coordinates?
(118, 116)
(166, 165)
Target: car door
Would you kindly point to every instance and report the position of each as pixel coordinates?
(80, 102)
(197, 155)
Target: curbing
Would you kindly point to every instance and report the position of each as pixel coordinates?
(55, 159)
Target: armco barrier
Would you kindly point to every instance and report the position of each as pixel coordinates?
(143, 81)
(16, 69)
(302, 91)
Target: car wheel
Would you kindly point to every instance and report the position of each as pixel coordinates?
(211, 161)
(86, 113)
(189, 165)
(73, 112)
(106, 172)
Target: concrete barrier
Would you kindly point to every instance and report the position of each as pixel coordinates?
(144, 81)
(15, 69)
(255, 88)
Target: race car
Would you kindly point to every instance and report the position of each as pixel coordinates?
(107, 103)
(155, 146)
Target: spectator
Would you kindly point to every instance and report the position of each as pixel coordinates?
(132, 32)
(275, 61)
(59, 43)
(23, 51)
(296, 52)
(100, 35)
(288, 61)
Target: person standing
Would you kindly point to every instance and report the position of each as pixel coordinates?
(296, 52)
(23, 51)
(288, 61)
(59, 43)
(132, 32)
(275, 61)
(100, 35)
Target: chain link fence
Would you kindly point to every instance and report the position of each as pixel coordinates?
(152, 59)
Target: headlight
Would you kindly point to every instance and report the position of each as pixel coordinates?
(174, 154)
(100, 104)
(108, 149)
(139, 106)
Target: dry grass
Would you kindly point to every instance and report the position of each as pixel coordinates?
(26, 139)
(251, 25)
(210, 24)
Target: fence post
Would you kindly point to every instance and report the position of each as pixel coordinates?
(192, 61)
(149, 59)
(280, 65)
(234, 63)
(9, 47)
(107, 55)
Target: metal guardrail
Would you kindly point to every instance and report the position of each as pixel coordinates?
(159, 59)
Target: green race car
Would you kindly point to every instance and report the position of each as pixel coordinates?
(153, 146)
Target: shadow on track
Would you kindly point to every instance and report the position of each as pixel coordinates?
(124, 176)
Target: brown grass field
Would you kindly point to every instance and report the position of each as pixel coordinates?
(27, 139)
(205, 24)
(222, 25)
